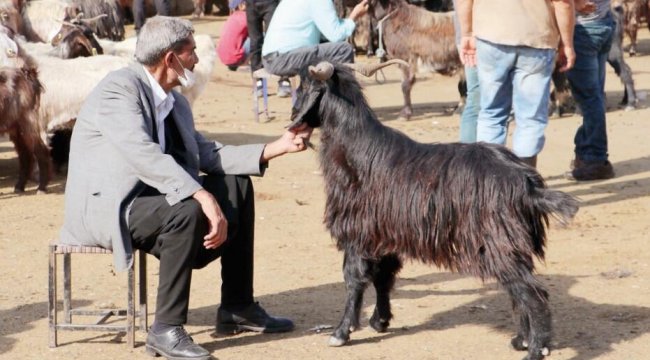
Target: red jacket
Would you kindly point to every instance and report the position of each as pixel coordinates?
(233, 35)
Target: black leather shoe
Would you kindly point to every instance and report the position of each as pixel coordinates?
(175, 344)
(585, 171)
(251, 318)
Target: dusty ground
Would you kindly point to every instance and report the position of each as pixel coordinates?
(597, 269)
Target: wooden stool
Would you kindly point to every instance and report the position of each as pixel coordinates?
(103, 314)
(264, 76)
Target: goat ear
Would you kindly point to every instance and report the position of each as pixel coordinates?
(298, 115)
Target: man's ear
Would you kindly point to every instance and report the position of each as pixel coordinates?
(168, 58)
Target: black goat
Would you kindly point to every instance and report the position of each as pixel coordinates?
(471, 208)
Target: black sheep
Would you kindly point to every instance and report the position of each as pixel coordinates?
(471, 208)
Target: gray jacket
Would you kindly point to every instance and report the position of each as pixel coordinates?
(113, 156)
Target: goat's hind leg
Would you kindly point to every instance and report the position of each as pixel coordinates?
(25, 152)
(357, 273)
(530, 300)
(384, 280)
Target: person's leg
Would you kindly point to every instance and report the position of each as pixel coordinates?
(174, 235)
(495, 64)
(235, 197)
(139, 15)
(163, 7)
(258, 17)
(472, 105)
(292, 62)
(531, 96)
(587, 79)
(255, 33)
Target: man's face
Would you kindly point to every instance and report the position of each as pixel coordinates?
(187, 57)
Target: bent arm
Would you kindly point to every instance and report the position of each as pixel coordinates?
(327, 21)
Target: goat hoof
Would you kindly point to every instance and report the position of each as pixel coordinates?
(19, 190)
(336, 342)
(378, 324)
(41, 191)
(538, 355)
(518, 343)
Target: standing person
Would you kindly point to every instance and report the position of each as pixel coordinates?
(234, 44)
(293, 39)
(593, 38)
(134, 183)
(163, 7)
(514, 44)
(258, 18)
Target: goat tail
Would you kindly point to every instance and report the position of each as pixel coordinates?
(561, 205)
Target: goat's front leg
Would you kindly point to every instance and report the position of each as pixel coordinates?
(357, 275)
(384, 280)
(408, 80)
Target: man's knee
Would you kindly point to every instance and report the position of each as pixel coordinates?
(190, 213)
(347, 52)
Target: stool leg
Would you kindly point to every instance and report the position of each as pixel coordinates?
(265, 93)
(130, 308)
(51, 303)
(67, 289)
(256, 101)
(143, 290)
(294, 86)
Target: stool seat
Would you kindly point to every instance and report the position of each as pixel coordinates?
(261, 74)
(264, 76)
(102, 315)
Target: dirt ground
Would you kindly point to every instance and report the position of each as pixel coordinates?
(596, 269)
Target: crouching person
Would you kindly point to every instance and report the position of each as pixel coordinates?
(133, 183)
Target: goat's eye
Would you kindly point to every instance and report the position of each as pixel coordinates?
(11, 52)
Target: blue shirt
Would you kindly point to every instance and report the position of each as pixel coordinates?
(300, 23)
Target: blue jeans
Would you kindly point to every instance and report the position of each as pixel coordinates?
(587, 78)
(472, 106)
(514, 78)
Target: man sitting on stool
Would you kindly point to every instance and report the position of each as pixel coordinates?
(133, 183)
(293, 38)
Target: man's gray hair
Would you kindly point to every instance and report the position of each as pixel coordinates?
(159, 35)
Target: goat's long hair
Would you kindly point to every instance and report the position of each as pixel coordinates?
(465, 207)
(110, 27)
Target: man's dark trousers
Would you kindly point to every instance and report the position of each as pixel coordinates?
(174, 234)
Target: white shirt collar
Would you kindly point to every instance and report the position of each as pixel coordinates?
(163, 103)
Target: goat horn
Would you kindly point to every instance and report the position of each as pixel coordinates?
(93, 19)
(322, 71)
(369, 70)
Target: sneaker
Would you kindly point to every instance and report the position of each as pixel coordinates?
(259, 88)
(284, 89)
(251, 318)
(585, 171)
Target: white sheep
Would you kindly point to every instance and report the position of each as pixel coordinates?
(68, 82)
(44, 17)
(205, 50)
